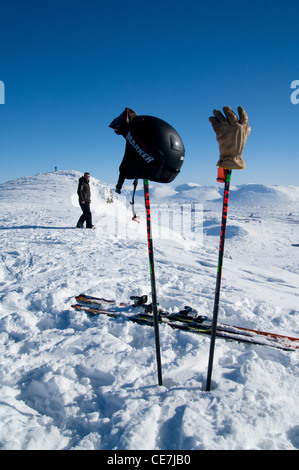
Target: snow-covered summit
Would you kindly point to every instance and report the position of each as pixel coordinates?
(53, 186)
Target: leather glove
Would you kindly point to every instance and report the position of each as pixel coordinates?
(231, 135)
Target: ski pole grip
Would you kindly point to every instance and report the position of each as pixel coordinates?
(221, 175)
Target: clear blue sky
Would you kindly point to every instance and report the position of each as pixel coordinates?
(70, 66)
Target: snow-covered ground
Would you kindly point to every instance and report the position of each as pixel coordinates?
(69, 381)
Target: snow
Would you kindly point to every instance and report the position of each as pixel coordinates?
(70, 381)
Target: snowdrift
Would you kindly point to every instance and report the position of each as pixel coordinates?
(70, 381)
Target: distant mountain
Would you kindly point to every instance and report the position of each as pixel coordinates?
(61, 185)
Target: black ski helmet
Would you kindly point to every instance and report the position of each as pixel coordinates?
(154, 149)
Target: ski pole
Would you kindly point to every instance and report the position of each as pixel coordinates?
(152, 276)
(219, 275)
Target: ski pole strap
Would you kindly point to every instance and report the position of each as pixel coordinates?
(135, 183)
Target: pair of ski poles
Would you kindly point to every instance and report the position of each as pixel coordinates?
(223, 176)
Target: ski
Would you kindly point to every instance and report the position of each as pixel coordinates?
(196, 327)
(225, 331)
(187, 320)
(98, 301)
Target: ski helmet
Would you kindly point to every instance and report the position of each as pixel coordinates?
(154, 149)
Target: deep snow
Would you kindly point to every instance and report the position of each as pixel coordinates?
(69, 381)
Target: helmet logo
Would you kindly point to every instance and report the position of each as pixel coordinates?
(138, 149)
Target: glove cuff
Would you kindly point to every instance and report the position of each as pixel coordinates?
(231, 163)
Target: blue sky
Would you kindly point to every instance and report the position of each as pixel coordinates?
(70, 66)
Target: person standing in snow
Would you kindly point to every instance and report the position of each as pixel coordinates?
(84, 201)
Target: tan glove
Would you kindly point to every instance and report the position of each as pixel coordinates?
(231, 135)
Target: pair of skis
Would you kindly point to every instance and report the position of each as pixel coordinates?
(187, 320)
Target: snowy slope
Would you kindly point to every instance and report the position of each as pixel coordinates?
(69, 381)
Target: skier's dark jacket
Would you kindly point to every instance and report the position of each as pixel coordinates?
(83, 190)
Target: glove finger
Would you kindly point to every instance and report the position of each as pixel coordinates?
(231, 116)
(219, 116)
(215, 123)
(243, 116)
